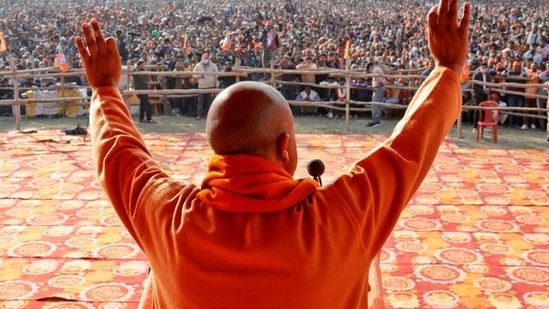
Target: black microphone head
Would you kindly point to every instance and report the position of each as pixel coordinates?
(315, 168)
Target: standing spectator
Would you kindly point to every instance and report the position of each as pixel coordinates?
(288, 91)
(480, 90)
(533, 79)
(544, 90)
(515, 75)
(189, 82)
(178, 108)
(340, 97)
(307, 64)
(169, 64)
(270, 42)
(227, 80)
(378, 84)
(360, 92)
(205, 81)
(141, 82)
(122, 49)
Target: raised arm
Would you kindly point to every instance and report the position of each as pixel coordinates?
(382, 184)
(99, 56)
(448, 34)
(124, 166)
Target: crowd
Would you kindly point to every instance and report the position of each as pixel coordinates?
(285, 34)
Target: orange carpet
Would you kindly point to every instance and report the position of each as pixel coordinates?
(476, 235)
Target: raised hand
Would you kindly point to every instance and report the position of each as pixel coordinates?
(100, 56)
(448, 34)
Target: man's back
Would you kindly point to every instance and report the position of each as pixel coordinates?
(304, 256)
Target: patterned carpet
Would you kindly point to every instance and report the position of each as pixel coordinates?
(476, 235)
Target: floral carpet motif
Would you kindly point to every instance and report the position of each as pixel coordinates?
(476, 234)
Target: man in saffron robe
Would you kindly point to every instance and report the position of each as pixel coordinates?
(252, 236)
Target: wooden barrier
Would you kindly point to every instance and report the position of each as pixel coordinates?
(159, 97)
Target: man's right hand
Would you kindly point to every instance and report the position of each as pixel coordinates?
(448, 35)
(99, 56)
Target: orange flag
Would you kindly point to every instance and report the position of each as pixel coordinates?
(465, 73)
(347, 53)
(3, 45)
(61, 62)
(185, 43)
(227, 43)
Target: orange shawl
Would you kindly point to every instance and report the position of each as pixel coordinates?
(244, 183)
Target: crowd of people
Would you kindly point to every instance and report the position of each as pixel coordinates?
(287, 34)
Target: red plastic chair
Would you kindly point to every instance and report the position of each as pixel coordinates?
(489, 116)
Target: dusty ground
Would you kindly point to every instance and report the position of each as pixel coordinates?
(508, 137)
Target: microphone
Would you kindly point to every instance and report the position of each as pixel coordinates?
(315, 168)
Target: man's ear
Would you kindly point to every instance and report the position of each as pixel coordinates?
(282, 144)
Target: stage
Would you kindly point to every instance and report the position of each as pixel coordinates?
(476, 235)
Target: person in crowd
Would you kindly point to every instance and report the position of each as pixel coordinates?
(393, 96)
(515, 75)
(533, 82)
(532, 54)
(340, 96)
(190, 83)
(481, 90)
(542, 91)
(141, 82)
(360, 92)
(308, 65)
(543, 49)
(179, 82)
(547, 109)
(534, 36)
(288, 90)
(329, 86)
(5, 94)
(171, 81)
(308, 95)
(251, 235)
(378, 84)
(227, 80)
(121, 40)
(270, 43)
(205, 81)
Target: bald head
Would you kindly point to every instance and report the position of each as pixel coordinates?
(251, 118)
